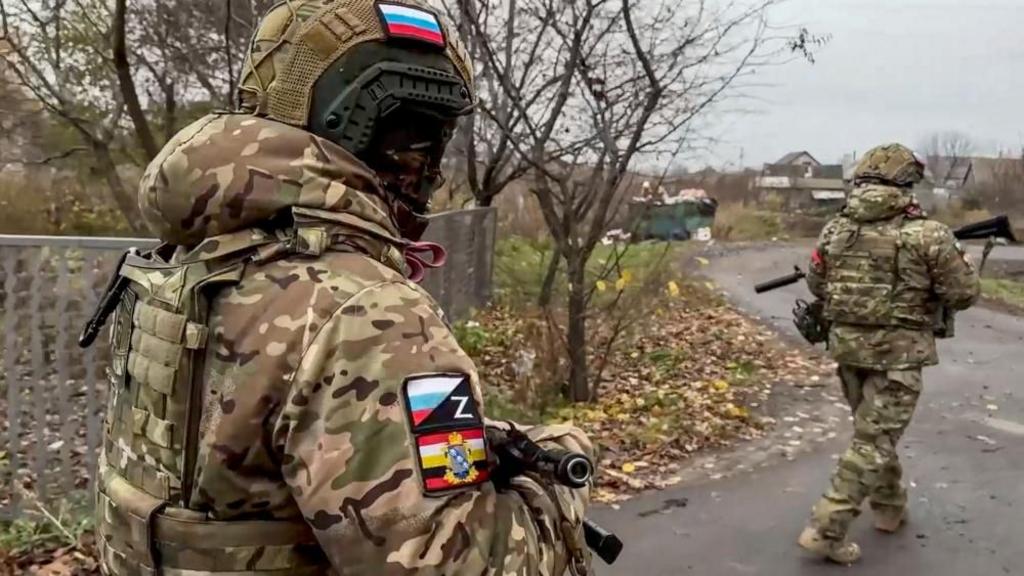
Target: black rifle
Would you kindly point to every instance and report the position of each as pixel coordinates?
(517, 453)
(998, 227)
(109, 300)
(781, 281)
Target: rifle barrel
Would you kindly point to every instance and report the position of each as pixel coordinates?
(606, 545)
(781, 281)
(558, 466)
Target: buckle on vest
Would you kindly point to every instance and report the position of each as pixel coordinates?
(308, 241)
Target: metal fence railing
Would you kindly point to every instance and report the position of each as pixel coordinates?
(52, 394)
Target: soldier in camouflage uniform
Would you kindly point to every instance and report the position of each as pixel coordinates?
(884, 272)
(283, 400)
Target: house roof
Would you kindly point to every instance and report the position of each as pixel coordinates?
(792, 156)
(948, 169)
(988, 169)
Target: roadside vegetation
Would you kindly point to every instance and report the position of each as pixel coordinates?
(679, 370)
(737, 222)
(49, 540)
(572, 96)
(1004, 292)
(46, 202)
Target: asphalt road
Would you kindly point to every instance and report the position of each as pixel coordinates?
(963, 454)
(1013, 253)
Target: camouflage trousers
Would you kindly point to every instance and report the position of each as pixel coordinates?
(883, 403)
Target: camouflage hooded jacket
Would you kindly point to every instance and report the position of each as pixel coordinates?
(328, 374)
(931, 270)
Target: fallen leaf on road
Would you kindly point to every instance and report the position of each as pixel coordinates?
(986, 440)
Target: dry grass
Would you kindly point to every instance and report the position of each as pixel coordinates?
(40, 201)
(738, 223)
(1009, 293)
(956, 215)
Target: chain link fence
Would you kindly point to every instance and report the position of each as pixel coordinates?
(52, 394)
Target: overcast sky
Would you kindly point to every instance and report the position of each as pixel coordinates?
(893, 70)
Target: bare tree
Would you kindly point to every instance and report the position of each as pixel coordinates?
(114, 72)
(59, 52)
(485, 150)
(183, 53)
(1001, 189)
(129, 94)
(946, 152)
(20, 116)
(582, 89)
(949, 143)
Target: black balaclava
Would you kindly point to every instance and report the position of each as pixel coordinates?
(406, 152)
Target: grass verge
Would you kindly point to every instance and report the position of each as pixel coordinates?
(1008, 293)
(50, 540)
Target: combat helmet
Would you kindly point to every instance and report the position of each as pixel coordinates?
(342, 69)
(891, 164)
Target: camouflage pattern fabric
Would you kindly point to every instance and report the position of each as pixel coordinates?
(897, 302)
(890, 164)
(883, 270)
(304, 407)
(883, 403)
(227, 173)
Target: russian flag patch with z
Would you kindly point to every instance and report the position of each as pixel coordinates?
(448, 430)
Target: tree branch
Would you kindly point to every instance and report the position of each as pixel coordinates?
(127, 84)
(55, 157)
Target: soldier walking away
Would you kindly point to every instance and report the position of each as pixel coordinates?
(283, 400)
(885, 273)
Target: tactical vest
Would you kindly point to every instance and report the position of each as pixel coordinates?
(146, 472)
(864, 284)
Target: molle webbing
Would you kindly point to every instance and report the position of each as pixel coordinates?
(160, 339)
(864, 281)
(151, 444)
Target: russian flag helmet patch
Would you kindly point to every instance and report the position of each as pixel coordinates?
(448, 431)
(411, 23)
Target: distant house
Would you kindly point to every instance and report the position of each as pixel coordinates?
(993, 171)
(800, 182)
(948, 175)
(948, 178)
(801, 158)
(999, 181)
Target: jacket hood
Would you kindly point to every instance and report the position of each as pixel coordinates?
(229, 172)
(873, 202)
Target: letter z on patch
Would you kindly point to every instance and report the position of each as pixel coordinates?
(448, 431)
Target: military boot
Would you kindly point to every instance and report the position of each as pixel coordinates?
(840, 552)
(890, 518)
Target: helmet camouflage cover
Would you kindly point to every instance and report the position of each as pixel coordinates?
(333, 67)
(890, 164)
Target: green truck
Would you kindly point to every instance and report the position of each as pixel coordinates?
(678, 220)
